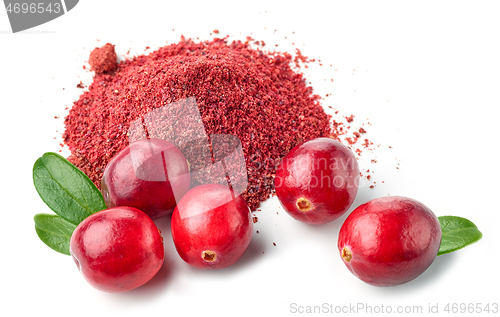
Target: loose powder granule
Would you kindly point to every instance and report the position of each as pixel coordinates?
(239, 90)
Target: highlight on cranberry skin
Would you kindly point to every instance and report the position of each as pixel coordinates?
(317, 181)
(149, 174)
(211, 227)
(389, 241)
(117, 249)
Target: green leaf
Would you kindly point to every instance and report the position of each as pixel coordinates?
(66, 189)
(457, 233)
(54, 231)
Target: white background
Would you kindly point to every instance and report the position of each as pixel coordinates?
(425, 75)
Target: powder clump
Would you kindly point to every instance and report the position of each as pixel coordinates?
(103, 59)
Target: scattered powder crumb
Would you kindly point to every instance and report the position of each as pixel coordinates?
(367, 143)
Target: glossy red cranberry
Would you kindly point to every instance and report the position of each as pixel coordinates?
(117, 249)
(211, 227)
(390, 240)
(317, 181)
(149, 174)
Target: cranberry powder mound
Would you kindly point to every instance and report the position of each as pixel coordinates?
(240, 90)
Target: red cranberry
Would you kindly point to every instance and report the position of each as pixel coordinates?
(149, 174)
(117, 249)
(317, 181)
(389, 241)
(211, 227)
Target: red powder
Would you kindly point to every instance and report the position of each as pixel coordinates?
(103, 59)
(239, 90)
(367, 143)
(299, 57)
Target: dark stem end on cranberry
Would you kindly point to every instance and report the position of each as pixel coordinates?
(304, 204)
(346, 254)
(209, 256)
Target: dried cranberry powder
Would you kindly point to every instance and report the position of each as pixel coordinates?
(240, 90)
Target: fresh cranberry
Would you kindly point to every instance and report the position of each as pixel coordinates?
(211, 227)
(117, 249)
(149, 174)
(317, 181)
(390, 240)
